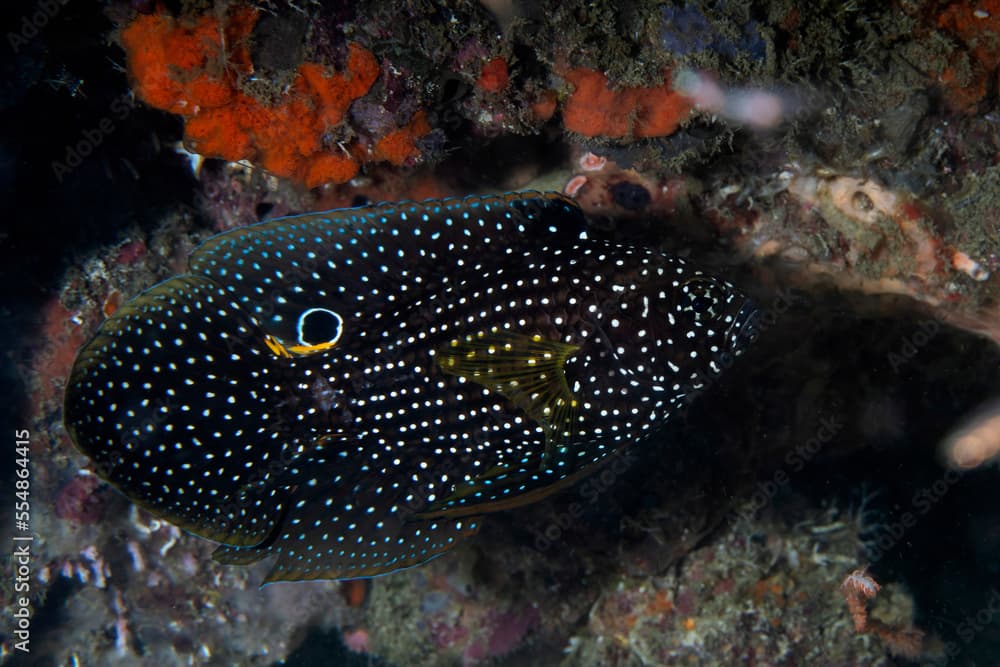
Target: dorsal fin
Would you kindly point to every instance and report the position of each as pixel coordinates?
(354, 262)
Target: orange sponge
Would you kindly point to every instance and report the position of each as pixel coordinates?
(594, 109)
(399, 146)
(192, 67)
(977, 25)
(182, 66)
(494, 76)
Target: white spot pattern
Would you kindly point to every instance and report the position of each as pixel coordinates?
(363, 457)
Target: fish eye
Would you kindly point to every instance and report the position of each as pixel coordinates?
(319, 326)
(702, 297)
(700, 304)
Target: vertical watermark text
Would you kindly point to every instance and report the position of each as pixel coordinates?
(21, 541)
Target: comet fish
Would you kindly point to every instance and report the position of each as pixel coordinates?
(352, 391)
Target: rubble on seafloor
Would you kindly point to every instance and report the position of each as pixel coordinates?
(758, 591)
(859, 206)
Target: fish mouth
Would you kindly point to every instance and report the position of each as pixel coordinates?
(744, 329)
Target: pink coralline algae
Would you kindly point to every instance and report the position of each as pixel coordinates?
(80, 500)
(507, 631)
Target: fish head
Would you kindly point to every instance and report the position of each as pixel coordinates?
(677, 327)
(710, 323)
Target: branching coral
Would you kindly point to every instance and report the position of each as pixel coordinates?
(859, 588)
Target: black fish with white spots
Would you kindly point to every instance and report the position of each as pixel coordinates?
(352, 391)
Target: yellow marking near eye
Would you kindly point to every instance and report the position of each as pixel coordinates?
(312, 349)
(287, 352)
(276, 347)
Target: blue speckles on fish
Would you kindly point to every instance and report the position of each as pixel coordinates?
(351, 391)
